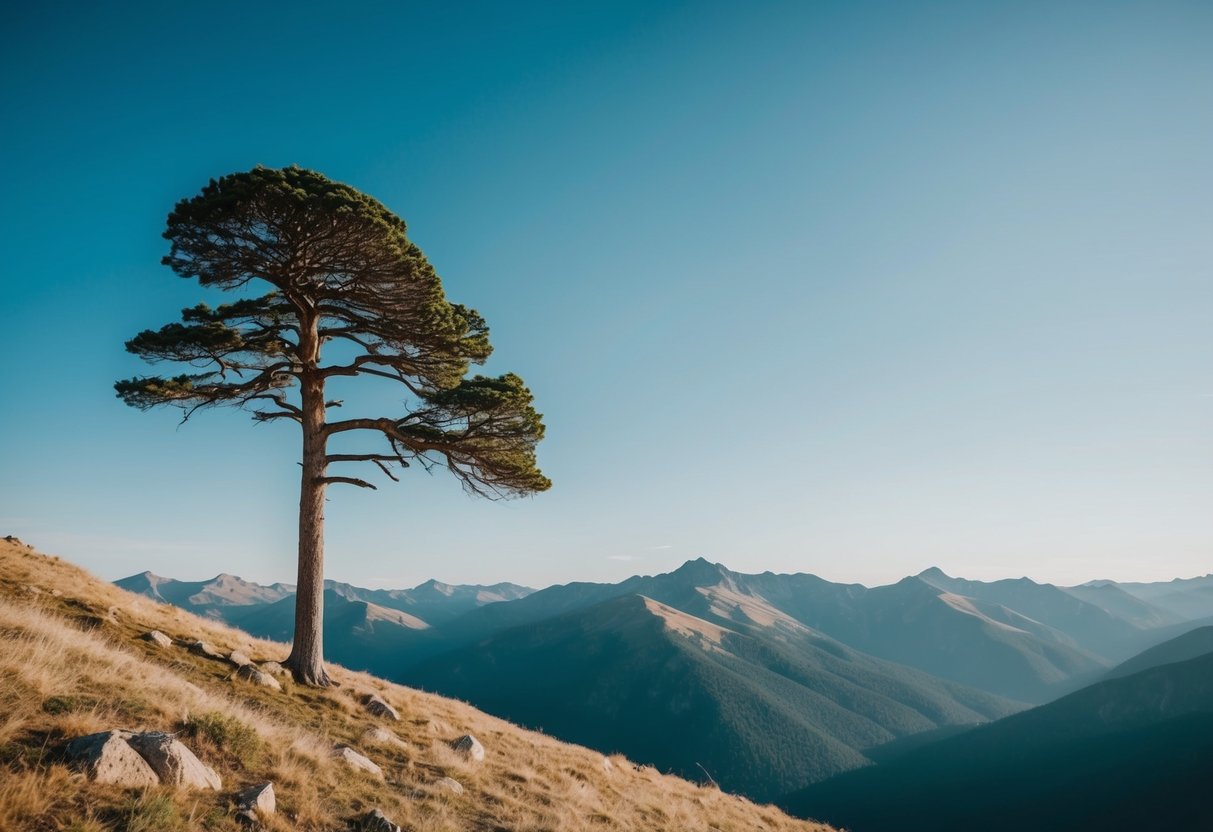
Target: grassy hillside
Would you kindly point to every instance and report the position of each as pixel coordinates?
(762, 709)
(72, 662)
(1134, 753)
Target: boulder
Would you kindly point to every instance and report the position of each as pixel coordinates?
(381, 736)
(203, 648)
(274, 669)
(355, 760)
(158, 638)
(175, 764)
(469, 747)
(377, 707)
(376, 821)
(239, 659)
(256, 801)
(108, 758)
(449, 784)
(251, 674)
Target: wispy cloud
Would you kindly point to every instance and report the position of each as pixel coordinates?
(623, 557)
(661, 546)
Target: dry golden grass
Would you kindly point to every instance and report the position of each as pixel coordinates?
(72, 662)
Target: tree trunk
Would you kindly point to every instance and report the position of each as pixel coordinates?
(307, 651)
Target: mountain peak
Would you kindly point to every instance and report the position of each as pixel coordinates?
(701, 571)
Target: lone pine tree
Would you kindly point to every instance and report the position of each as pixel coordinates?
(341, 274)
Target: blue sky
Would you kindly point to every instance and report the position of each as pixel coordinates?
(848, 288)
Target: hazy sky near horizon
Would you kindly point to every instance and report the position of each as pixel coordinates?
(847, 288)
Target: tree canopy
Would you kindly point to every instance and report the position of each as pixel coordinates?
(339, 259)
(339, 269)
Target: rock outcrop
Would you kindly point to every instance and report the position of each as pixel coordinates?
(355, 760)
(203, 648)
(469, 747)
(158, 638)
(256, 802)
(376, 821)
(173, 763)
(250, 673)
(449, 784)
(381, 736)
(377, 707)
(108, 758)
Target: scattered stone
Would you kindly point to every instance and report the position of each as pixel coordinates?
(376, 821)
(449, 784)
(239, 659)
(255, 802)
(607, 765)
(108, 758)
(203, 648)
(377, 707)
(56, 593)
(469, 747)
(174, 763)
(355, 760)
(274, 669)
(381, 736)
(158, 638)
(251, 674)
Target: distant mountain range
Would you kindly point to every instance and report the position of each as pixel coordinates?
(1134, 752)
(764, 683)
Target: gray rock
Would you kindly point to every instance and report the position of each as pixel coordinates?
(381, 736)
(252, 674)
(257, 800)
(469, 747)
(175, 764)
(376, 821)
(355, 760)
(108, 758)
(158, 638)
(203, 648)
(274, 669)
(239, 659)
(449, 784)
(377, 707)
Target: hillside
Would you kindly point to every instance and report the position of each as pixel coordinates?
(1184, 598)
(973, 642)
(73, 662)
(1190, 645)
(639, 676)
(1133, 753)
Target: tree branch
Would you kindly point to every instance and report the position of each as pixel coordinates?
(346, 480)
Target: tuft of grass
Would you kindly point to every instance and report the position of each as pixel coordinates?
(56, 705)
(227, 734)
(150, 812)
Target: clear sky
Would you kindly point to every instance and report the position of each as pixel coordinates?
(853, 288)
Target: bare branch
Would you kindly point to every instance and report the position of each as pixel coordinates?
(348, 481)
